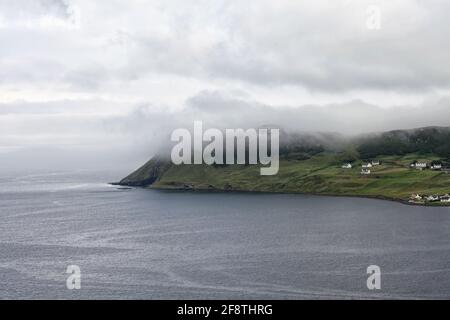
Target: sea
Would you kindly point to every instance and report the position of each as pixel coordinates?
(134, 243)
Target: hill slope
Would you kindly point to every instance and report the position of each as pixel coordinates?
(317, 172)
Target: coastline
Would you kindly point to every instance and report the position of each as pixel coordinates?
(190, 188)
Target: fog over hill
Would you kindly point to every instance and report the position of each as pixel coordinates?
(92, 137)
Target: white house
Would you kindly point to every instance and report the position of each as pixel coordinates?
(376, 162)
(445, 199)
(367, 165)
(347, 166)
(365, 171)
(419, 165)
(436, 166)
(432, 198)
(416, 197)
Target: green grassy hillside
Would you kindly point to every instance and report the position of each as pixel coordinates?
(320, 174)
(311, 163)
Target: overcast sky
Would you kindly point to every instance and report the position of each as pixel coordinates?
(108, 79)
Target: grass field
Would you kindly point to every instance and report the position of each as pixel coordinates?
(320, 174)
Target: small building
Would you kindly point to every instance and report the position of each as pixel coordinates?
(419, 165)
(416, 197)
(445, 199)
(376, 162)
(365, 171)
(433, 198)
(436, 166)
(367, 165)
(347, 166)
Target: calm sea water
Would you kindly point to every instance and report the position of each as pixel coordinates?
(149, 244)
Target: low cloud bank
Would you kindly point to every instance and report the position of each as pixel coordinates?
(133, 134)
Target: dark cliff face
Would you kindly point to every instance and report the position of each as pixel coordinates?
(147, 174)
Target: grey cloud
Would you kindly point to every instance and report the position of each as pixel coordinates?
(287, 47)
(18, 9)
(146, 128)
(234, 54)
(222, 110)
(323, 47)
(88, 78)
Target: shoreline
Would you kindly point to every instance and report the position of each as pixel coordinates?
(215, 190)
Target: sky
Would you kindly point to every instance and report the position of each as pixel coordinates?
(102, 83)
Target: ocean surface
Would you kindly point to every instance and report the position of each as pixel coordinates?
(149, 244)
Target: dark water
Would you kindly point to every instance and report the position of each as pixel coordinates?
(149, 244)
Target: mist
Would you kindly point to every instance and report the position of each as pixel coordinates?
(96, 139)
(102, 85)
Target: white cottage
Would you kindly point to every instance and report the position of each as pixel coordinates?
(433, 198)
(416, 197)
(436, 166)
(419, 165)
